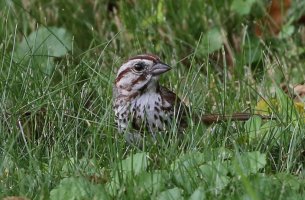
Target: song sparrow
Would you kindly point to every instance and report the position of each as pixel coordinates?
(140, 103)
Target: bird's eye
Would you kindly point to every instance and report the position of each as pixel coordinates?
(139, 67)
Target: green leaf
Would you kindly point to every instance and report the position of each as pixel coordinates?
(289, 181)
(42, 46)
(50, 41)
(189, 160)
(192, 159)
(215, 174)
(249, 163)
(171, 194)
(198, 194)
(252, 127)
(187, 167)
(276, 186)
(152, 182)
(186, 177)
(211, 42)
(269, 132)
(77, 188)
(242, 7)
(287, 31)
(135, 163)
(129, 168)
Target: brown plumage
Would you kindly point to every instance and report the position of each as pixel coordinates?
(141, 104)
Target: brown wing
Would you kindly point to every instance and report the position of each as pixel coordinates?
(176, 106)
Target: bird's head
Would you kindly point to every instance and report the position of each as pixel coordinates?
(139, 74)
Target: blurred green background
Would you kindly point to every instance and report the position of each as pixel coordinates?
(58, 59)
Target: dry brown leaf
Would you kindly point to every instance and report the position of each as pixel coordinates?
(272, 23)
(299, 92)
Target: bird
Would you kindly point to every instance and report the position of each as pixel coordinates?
(141, 104)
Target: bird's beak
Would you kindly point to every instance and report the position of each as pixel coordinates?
(159, 68)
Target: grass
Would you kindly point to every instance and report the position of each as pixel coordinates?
(58, 137)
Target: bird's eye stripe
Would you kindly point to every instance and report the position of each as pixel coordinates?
(122, 74)
(139, 79)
